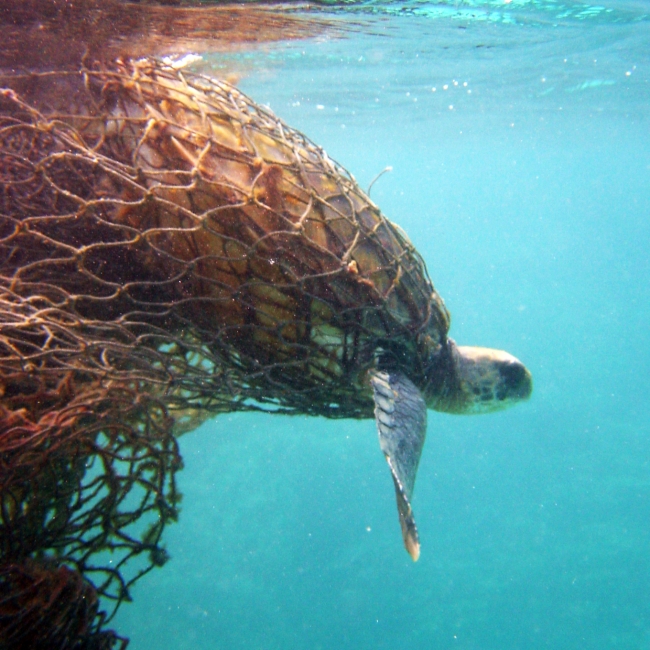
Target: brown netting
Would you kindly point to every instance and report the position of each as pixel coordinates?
(43, 608)
(168, 251)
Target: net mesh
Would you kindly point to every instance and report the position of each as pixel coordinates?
(168, 251)
(50, 607)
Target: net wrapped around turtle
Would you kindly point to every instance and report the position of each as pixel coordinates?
(169, 250)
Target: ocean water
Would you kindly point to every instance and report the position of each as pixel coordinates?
(519, 139)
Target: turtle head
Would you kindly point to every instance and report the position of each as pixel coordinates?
(473, 380)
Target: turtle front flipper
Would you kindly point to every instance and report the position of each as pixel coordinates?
(401, 415)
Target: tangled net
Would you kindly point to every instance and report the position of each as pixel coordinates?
(43, 607)
(168, 251)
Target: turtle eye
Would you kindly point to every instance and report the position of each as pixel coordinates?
(515, 379)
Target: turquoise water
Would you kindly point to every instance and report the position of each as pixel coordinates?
(525, 184)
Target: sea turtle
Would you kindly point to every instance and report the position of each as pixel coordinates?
(200, 216)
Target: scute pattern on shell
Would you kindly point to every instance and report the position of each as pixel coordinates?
(233, 231)
(301, 272)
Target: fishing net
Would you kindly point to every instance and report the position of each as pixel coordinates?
(169, 251)
(46, 607)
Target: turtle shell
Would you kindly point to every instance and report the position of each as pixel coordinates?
(189, 210)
